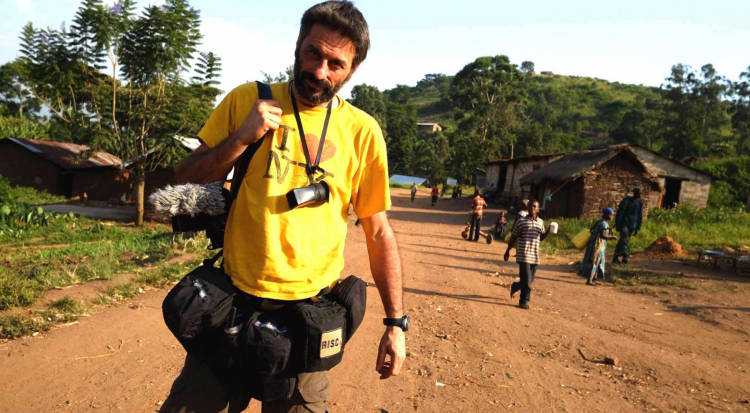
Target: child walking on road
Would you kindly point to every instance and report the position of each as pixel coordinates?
(529, 231)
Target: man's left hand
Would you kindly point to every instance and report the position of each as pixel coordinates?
(393, 344)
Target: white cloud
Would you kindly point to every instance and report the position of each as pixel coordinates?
(24, 7)
(243, 52)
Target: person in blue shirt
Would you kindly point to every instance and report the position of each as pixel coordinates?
(628, 222)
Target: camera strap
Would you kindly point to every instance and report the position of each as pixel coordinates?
(311, 168)
(264, 92)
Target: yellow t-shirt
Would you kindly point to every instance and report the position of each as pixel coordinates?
(269, 250)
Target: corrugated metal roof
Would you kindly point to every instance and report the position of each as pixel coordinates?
(407, 180)
(68, 155)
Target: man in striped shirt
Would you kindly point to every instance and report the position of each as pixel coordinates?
(529, 231)
(477, 207)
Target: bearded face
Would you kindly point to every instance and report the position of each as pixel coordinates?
(322, 65)
(312, 90)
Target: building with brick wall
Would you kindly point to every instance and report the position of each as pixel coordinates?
(62, 168)
(581, 184)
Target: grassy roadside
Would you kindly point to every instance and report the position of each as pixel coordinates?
(67, 310)
(692, 228)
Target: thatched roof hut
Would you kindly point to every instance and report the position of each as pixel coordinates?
(580, 184)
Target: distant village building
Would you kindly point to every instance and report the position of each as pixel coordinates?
(682, 184)
(430, 127)
(62, 169)
(504, 175)
(580, 184)
(408, 180)
(679, 183)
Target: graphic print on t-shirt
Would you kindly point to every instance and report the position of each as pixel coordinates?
(279, 155)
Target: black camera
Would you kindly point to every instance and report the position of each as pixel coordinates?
(312, 194)
(214, 225)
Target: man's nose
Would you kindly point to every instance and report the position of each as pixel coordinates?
(321, 70)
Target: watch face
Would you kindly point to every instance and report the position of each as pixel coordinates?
(406, 323)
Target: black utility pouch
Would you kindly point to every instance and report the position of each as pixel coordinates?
(197, 307)
(267, 344)
(320, 335)
(351, 293)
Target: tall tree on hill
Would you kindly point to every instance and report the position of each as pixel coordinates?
(527, 67)
(135, 112)
(402, 133)
(741, 112)
(697, 121)
(488, 89)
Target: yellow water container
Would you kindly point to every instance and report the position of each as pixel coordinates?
(581, 240)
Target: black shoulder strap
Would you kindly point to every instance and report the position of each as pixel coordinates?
(264, 92)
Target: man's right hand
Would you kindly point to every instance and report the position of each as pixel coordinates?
(264, 116)
(507, 254)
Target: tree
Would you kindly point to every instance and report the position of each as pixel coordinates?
(527, 67)
(372, 101)
(15, 98)
(487, 88)
(697, 118)
(401, 121)
(284, 76)
(136, 111)
(207, 69)
(741, 112)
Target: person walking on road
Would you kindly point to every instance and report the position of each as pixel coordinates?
(413, 191)
(477, 206)
(628, 223)
(593, 261)
(435, 194)
(271, 257)
(500, 224)
(529, 231)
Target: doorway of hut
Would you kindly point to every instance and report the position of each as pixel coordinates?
(672, 188)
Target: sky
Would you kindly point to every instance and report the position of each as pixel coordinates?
(636, 41)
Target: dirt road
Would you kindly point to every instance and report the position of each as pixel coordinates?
(471, 347)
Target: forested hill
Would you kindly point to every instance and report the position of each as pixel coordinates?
(493, 109)
(588, 108)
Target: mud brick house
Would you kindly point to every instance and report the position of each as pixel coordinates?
(62, 169)
(503, 176)
(681, 183)
(580, 184)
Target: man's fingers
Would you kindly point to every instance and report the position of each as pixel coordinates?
(381, 358)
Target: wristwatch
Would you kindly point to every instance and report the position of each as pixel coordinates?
(402, 322)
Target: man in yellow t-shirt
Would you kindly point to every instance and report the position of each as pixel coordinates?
(272, 251)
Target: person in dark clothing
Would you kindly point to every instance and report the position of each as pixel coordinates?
(442, 191)
(628, 223)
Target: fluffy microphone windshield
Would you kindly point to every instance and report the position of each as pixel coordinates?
(188, 199)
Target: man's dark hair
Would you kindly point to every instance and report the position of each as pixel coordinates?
(342, 17)
(531, 203)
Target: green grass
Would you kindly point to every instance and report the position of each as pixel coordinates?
(693, 229)
(83, 251)
(61, 311)
(26, 195)
(626, 275)
(159, 277)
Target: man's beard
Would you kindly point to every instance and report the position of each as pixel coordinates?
(310, 95)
